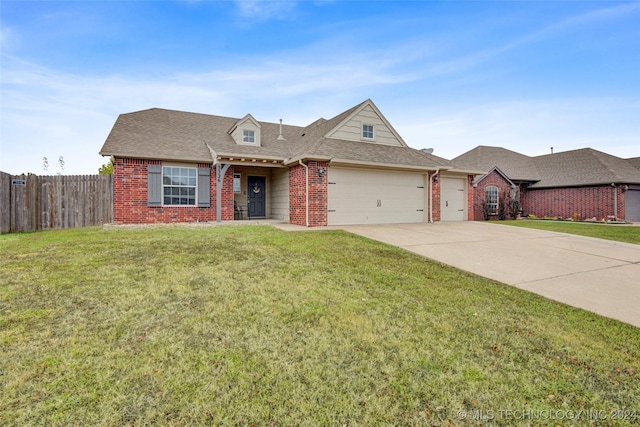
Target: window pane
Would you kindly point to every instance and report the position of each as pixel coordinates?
(248, 136)
(179, 185)
(367, 131)
(492, 199)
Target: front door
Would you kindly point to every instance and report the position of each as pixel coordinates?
(256, 196)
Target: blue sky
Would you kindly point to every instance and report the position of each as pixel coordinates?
(450, 75)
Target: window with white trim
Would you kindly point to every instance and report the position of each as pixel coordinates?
(236, 183)
(179, 186)
(367, 131)
(492, 199)
(249, 136)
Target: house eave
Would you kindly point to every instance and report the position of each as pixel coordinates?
(396, 166)
(248, 160)
(162, 158)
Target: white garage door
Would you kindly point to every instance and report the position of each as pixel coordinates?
(364, 196)
(452, 199)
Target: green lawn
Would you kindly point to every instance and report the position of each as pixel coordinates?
(617, 232)
(249, 325)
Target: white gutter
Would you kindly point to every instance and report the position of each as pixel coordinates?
(431, 195)
(306, 179)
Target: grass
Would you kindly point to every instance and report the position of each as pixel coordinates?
(255, 326)
(619, 233)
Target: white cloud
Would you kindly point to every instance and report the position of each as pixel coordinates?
(45, 112)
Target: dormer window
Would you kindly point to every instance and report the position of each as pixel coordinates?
(249, 136)
(246, 131)
(367, 132)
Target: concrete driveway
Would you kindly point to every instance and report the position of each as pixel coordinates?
(593, 274)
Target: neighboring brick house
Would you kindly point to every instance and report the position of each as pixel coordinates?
(173, 166)
(581, 184)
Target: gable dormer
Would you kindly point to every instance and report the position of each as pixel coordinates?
(246, 131)
(367, 124)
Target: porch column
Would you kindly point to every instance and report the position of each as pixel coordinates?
(221, 170)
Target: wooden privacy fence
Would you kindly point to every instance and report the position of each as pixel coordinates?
(30, 202)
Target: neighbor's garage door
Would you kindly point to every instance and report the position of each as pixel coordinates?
(365, 196)
(452, 199)
(632, 205)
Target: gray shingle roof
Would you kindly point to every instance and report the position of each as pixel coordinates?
(635, 162)
(565, 169)
(182, 136)
(516, 166)
(583, 167)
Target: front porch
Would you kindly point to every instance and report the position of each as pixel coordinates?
(260, 193)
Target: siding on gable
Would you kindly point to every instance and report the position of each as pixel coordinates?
(352, 130)
(237, 133)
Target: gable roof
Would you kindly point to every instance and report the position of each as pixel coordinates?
(499, 172)
(247, 118)
(516, 166)
(355, 112)
(192, 137)
(573, 168)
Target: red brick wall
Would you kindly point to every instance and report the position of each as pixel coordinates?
(297, 195)
(470, 199)
(493, 179)
(435, 193)
(318, 196)
(585, 202)
(130, 197)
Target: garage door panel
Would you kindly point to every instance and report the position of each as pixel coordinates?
(363, 196)
(452, 199)
(632, 205)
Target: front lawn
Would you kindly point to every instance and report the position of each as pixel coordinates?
(617, 232)
(249, 325)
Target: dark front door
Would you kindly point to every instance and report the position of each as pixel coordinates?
(256, 197)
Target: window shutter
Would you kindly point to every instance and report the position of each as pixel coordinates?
(204, 192)
(154, 185)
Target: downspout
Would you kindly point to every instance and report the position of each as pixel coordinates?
(306, 181)
(615, 201)
(431, 195)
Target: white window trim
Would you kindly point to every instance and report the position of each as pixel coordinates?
(239, 176)
(195, 187)
(496, 204)
(245, 135)
(373, 132)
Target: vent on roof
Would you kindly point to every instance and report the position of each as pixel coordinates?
(427, 150)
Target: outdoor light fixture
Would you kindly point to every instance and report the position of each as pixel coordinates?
(321, 172)
(436, 178)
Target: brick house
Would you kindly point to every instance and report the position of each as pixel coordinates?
(174, 166)
(582, 184)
